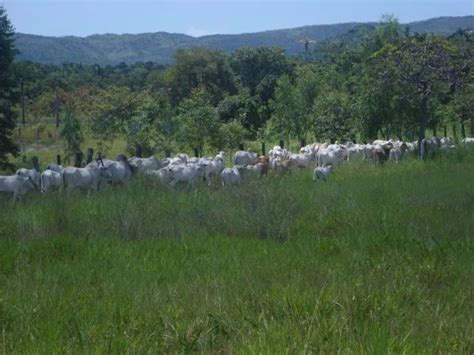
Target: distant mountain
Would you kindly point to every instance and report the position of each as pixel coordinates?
(159, 47)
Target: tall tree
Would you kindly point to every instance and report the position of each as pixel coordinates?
(198, 120)
(8, 94)
(416, 69)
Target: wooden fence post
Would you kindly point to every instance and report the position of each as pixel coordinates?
(78, 159)
(35, 163)
(90, 155)
(138, 151)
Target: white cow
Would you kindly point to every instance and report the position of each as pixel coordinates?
(242, 157)
(119, 170)
(327, 156)
(16, 185)
(356, 152)
(145, 164)
(212, 168)
(398, 151)
(230, 176)
(164, 175)
(51, 179)
(55, 167)
(88, 178)
(322, 172)
(468, 142)
(300, 160)
(185, 174)
(31, 173)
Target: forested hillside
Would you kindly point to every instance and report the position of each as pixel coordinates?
(159, 47)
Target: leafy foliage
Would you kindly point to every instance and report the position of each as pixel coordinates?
(8, 94)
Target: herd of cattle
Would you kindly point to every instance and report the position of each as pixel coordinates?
(188, 170)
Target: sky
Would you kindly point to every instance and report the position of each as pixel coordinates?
(198, 18)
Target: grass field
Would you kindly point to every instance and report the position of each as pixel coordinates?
(380, 259)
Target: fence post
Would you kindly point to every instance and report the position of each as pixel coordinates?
(35, 163)
(90, 155)
(138, 151)
(263, 148)
(78, 159)
(58, 159)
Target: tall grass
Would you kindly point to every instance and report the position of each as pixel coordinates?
(378, 259)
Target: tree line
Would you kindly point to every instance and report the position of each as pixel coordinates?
(387, 83)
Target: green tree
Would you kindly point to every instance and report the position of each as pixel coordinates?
(198, 119)
(199, 67)
(8, 95)
(71, 132)
(414, 71)
(332, 112)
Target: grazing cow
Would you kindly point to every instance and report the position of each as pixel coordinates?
(145, 164)
(212, 168)
(31, 173)
(356, 152)
(327, 156)
(382, 152)
(17, 185)
(185, 174)
(88, 178)
(301, 161)
(398, 152)
(264, 162)
(242, 157)
(55, 167)
(283, 167)
(322, 172)
(164, 175)
(120, 170)
(468, 142)
(51, 179)
(230, 176)
(428, 147)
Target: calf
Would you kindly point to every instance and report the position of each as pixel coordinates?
(322, 172)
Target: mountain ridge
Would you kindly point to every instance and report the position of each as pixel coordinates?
(111, 49)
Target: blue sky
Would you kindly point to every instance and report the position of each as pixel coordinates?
(196, 18)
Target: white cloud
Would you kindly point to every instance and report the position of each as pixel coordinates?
(197, 32)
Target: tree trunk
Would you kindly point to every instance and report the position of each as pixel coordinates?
(58, 159)
(445, 130)
(422, 124)
(282, 143)
(241, 146)
(455, 137)
(302, 142)
(264, 152)
(196, 152)
(22, 103)
(434, 131)
(463, 131)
